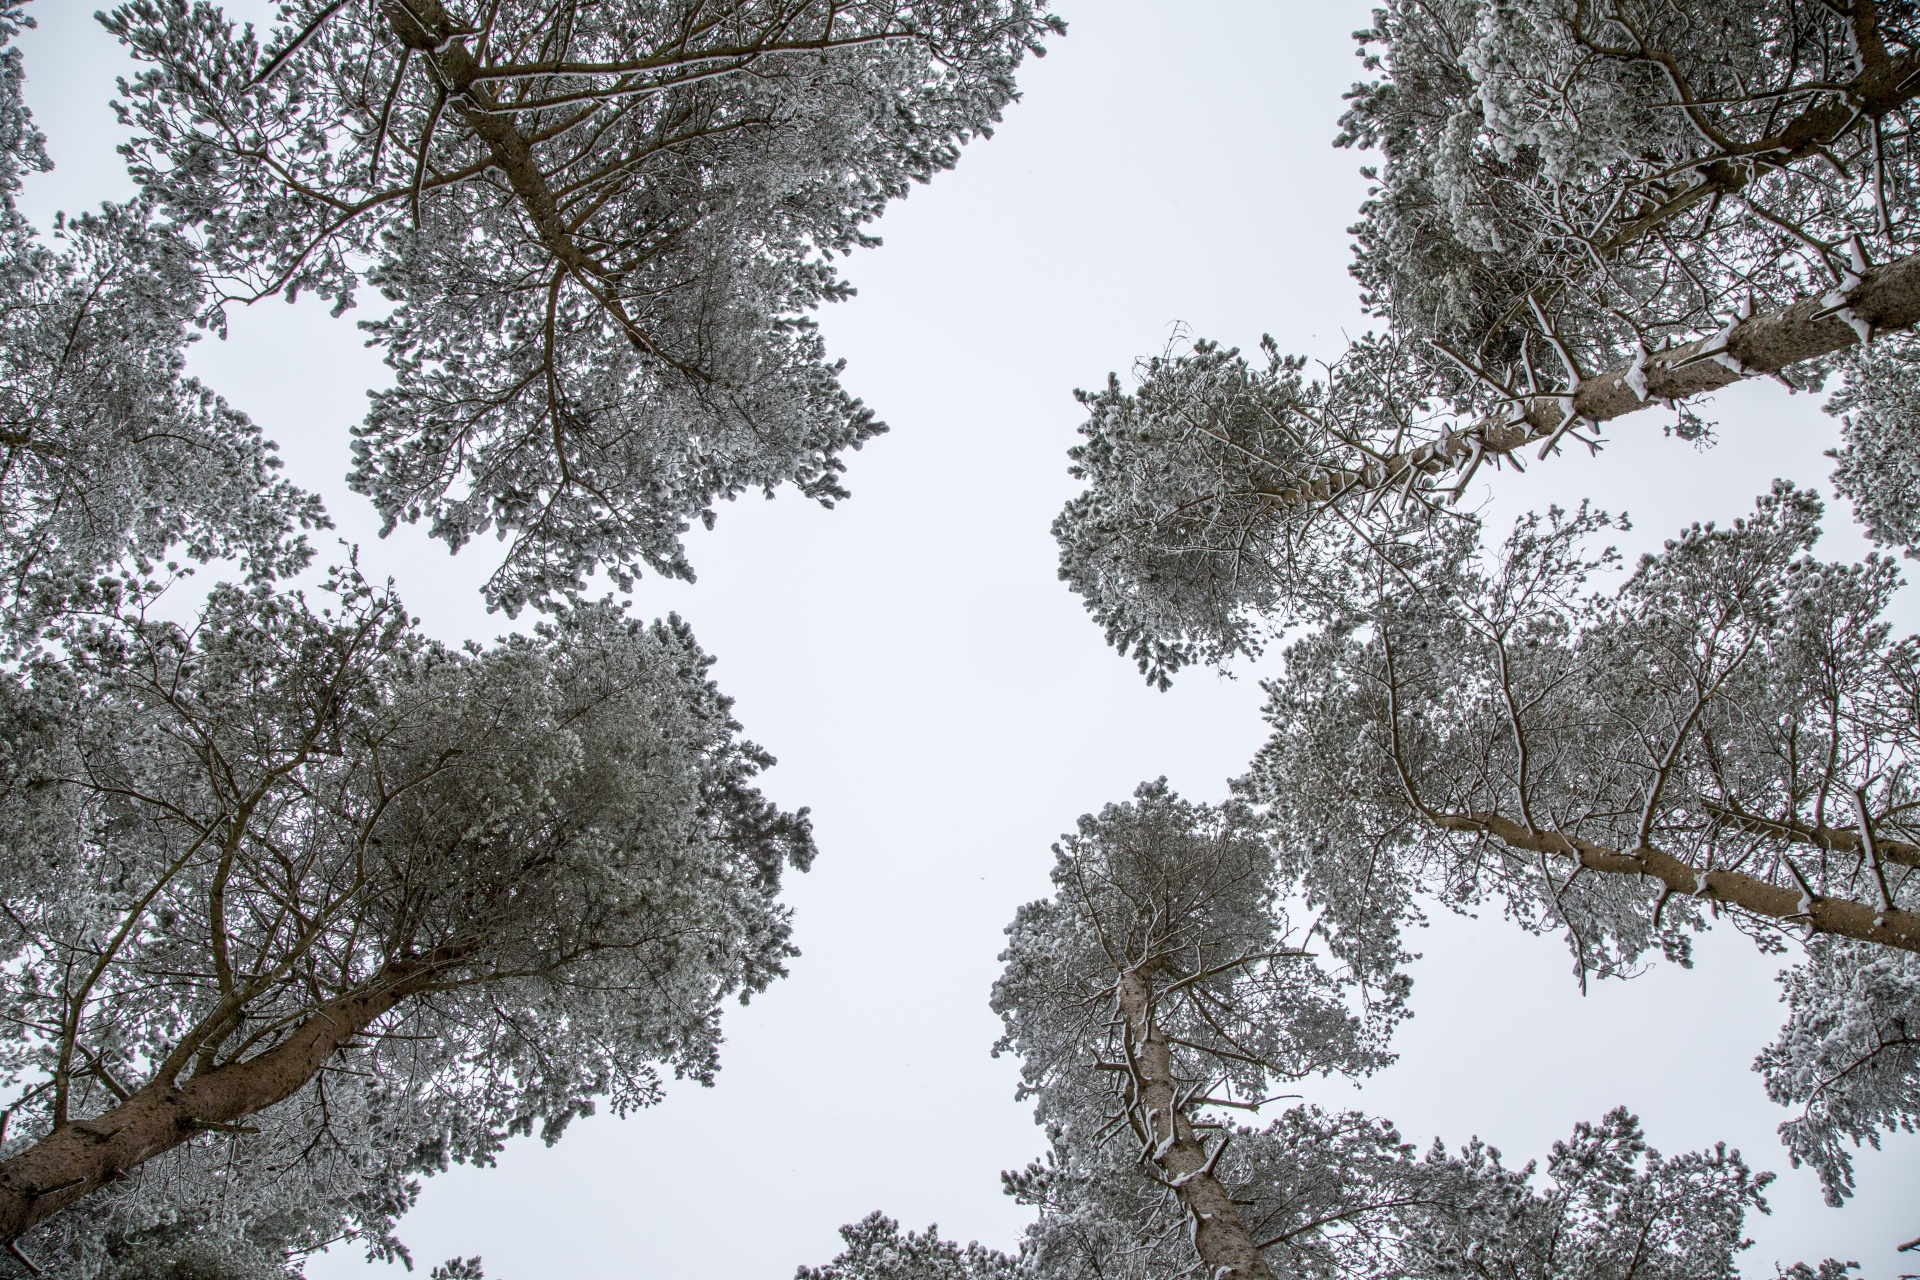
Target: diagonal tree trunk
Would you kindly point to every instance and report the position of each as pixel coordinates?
(1887, 84)
(1886, 925)
(1885, 298)
(423, 26)
(1221, 1238)
(79, 1158)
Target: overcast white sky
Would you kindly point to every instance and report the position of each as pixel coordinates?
(943, 704)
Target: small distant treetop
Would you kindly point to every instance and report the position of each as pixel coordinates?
(878, 1250)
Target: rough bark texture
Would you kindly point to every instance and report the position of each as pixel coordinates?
(79, 1158)
(1220, 1237)
(1886, 298)
(1840, 916)
(1833, 839)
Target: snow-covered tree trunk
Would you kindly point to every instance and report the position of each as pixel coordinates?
(424, 28)
(1161, 982)
(1159, 987)
(1880, 300)
(604, 225)
(1219, 1236)
(344, 904)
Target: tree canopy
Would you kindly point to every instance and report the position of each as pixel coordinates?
(115, 461)
(1159, 994)
(1579, 211)
(405, 899)
(603, 229)
(299, 905)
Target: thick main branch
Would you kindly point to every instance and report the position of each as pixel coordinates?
(1886, 298)
(79, 1158)
(424, 27)
(1842, 917)
(1886, 85)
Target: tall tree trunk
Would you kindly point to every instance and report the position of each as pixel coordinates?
(79, 1158)
(1219, 1235)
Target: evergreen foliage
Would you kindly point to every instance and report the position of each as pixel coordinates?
(1156, 996)
(301, 904)
(1580, 210)
(603, 229)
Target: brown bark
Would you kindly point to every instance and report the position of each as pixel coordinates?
(1887, 298)
(79, 1158)
(1219, 1235)
(423, 26)
(1839, 916)
(1833, 839)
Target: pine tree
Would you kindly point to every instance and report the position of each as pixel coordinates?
(114, 461)
(1161, 983)
(603, 228)
(1585, 210)
(1160, 992)
(301, 906)
(301, 871)
(878, 1250)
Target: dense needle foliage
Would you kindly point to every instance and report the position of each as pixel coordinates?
(603, 228)
(1579, 210)
(1155, 998)
(402, 899)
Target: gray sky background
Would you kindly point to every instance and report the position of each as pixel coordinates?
(946, 708)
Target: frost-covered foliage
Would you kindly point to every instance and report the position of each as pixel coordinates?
(1613, 1209)
(337, 1161)
(298, 869)
(113, 459)
(878, 1250)
(1161, 984)
(1619, 766)
(1849, 1056)
(604, 227)
(1332, 1196)
(1479, 721)
(1142, 999)
(1879, 461)
(1175, 473)
(1319, 1191)
(1158, 993)
(1186, 897)
(23, 149)
(1179, 545)
(1584, 209)
(1629, 172)
(1335, 1195)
